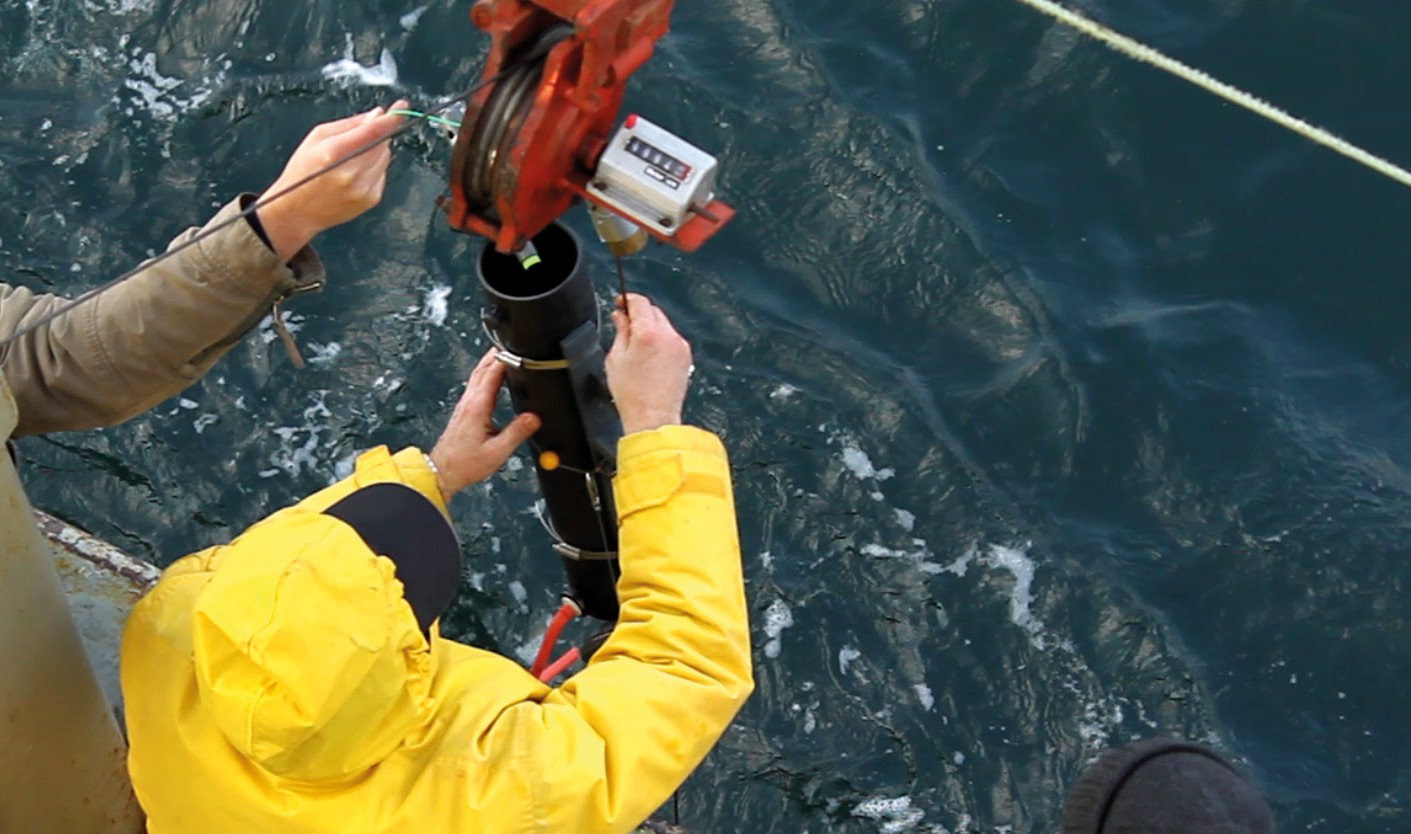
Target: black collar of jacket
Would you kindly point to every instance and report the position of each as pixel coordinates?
(400, 523)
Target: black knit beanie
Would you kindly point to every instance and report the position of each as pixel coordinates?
(1164, 786)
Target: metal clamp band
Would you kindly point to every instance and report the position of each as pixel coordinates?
(567, 550)
(516, 361)
(578, 554)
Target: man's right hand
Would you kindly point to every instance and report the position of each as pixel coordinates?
(341, 194)
(649, 366)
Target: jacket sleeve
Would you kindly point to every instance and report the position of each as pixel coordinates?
(609, 747)
(142, 342)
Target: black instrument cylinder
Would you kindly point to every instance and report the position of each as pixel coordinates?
(546, 315)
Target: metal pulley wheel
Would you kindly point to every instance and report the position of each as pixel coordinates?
(484, 157)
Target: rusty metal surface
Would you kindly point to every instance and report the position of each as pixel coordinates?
(101, 584)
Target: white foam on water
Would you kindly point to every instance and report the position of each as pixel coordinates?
(189, 405)
(858, 462)
(293, 322)
(514, 464)
(766, 559)
(783, 392)
(847, 655)
(345, 466)
(292, 456)
(160, 95)
(958, 758)
(203, 421)
(906, 519)
(895, 814)
(388, 383)
(436, 306)
(962, 563)
(776, 618)
(518, 591)
(529, 649)
(150, 85)
(920, 556)
(324, 354)
(413, 17)
(122, 6)
(1099, 722)
(923, 694)
(1018, 563)
(877, 551)
(382, 74)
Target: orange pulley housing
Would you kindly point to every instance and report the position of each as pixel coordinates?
(531, 139)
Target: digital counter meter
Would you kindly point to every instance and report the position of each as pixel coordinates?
(654, 176)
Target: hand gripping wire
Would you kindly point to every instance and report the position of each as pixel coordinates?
(262, 202)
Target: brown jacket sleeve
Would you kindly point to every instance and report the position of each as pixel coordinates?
(142, 342)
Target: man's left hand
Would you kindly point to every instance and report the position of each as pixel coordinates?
(472, 448)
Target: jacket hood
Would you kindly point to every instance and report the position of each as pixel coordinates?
(307, 655)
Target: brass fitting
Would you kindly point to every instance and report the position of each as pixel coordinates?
(622, 236)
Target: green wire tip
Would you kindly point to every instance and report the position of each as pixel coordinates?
(532, 260)
(415, 114)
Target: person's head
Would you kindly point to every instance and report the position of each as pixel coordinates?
(1164, 786)
(312, 638)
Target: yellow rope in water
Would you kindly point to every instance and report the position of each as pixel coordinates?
(1141, 52)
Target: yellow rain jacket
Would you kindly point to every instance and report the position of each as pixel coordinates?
(282, 685)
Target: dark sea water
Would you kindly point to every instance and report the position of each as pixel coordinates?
(1067, 404)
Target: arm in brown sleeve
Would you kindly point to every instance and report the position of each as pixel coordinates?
(147, 339)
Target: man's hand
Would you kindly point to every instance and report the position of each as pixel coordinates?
(472, 449)
(648, 368)
(337, 196)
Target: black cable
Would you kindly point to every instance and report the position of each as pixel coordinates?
(244, 213)
(622, 288)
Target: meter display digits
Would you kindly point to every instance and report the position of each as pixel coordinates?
(655, 156)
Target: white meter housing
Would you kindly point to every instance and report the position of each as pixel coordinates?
(654, 176)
